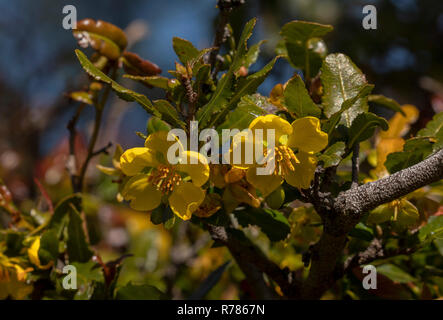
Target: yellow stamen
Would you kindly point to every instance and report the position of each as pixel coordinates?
(165, 178)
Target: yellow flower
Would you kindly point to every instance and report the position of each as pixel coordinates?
(13, 282)
(297, 169)
(153, 178)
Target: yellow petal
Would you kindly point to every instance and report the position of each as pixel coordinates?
(185, 200)
(199, 172)
(244, 195)
(399, 124)
(134, 160)
(264, 183)
(303, 173)
(307, 135)
(270, 121)
(142, 195)
(242, 152)
(158, 142)
(33, 255)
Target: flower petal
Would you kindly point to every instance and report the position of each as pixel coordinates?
(142, 195)
(158, 142)
(132, 161)
(307, 135)
(199, 172)
(303, 172)
(271, 121)
(185, 200)
(264, 183)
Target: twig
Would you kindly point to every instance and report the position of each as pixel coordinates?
(221, 32)
(355, 164)
(103, 150)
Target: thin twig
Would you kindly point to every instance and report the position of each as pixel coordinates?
(355, 164)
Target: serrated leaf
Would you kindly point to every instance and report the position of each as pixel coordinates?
(342, 80)
(395, 273)
(77, 246)
(169, 113)
(224, 88)
(386, 102)
(332, 155)
(184, 50)
(298, 100)
(363, 127)
(252, 54)
(414, 151)
(121, 91)
(154, 81)
(271, 222)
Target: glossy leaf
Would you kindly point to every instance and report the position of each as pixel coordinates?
(386, 102)
(342, 80)
(168, 113)
(297, 99)
(333, 155)
(184, 50)
(434, 129)
(136, 66)
(122, 92)
(48, 250)
(138, 292)
(414, 151)
(78, 248)
(271, 222)
(395, 273)
(363, 127)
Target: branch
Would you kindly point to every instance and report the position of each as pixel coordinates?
(350, 205)
(348, 208)
(355, 164)
(247, 251)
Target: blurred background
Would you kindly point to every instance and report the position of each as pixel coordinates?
(403, 57)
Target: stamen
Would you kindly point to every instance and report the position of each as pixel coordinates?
(284, 160)
(165, 178)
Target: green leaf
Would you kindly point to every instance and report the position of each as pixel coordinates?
(332, 156)
(432, 230)
(335, 118)
(271, 222)
(386, 102)
(154, 81)
(252, 55)
(48, 247)
(303, 46)
(156, 124)
(139, 292)
(184, 50)
(434, 129)
(407, 216)
(209, 282)
(61, 212)
(78, 248)
(380, 214)
(88, 276)
(163, 215)
(395, 273)
(169, 113)
(14, 242)
(414, 151)
(363, 127)
(342, 80)
(363, 232)
(122, 92)
(245, 86)
(298, 100)
(249, 108)
(302, 31)
(223, 91)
